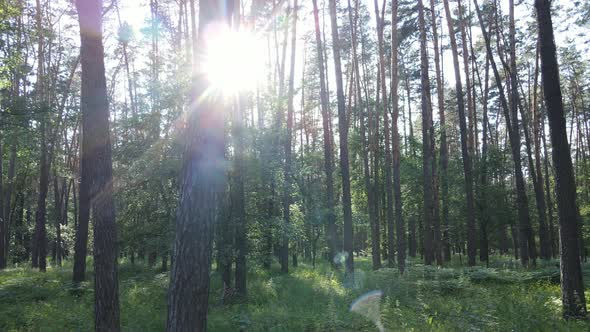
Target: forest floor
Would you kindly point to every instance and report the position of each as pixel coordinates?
(502, 297)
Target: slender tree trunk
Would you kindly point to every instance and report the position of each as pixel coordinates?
(386, 132)
(427, 145)
(344, 165)
(467, 164)
(572, 285)
(328, 149)
(521, 198)
(400, 228)
(288, 147)
(203, 176)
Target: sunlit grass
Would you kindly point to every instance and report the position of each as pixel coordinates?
(502, 297)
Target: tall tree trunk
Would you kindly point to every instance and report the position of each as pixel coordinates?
(344, 167)
(83, 215)
(203, 176)
(526, 230)
(521, 198)
(427, 145)
(483, 203)
(397, 192)
(328, 149)
(544, 233)
(239, 198)
(468, 88)
(467, 164)
(284, 259)
(388, 158)
(96, 141)
(572, 285)
(444, 163)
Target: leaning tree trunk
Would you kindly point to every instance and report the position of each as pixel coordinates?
(572, 285)
(96, 142)
(521, 197)
(202, 184)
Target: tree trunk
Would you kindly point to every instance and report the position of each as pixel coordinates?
(386, 133)
(399, 221)
(328, 149)
(525, 230)
(203, 177)
(96, 142)
(572, 285)
(344, 166)
(427, 146)
(284, 258)
(467, 164)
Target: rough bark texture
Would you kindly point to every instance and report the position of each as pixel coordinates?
(202, 179)
(572, 285)
(344, 165)
(96, 142)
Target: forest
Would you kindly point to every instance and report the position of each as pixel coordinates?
(294, 165)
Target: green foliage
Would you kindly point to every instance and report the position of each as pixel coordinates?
(426, 298)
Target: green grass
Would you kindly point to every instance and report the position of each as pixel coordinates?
(499, 298)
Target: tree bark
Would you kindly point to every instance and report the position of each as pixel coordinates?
(328, 149)
(202, 183)
(521, 197)
(399, 221)
(344, 167)
(427, 145)
(96, 142)
(572, 285)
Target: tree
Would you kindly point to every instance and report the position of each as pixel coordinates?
(328, 149)
(525, 231)
(202, 179)
(344, 165)
(96, 141)
(428, 166)
(397, 192)
(284, 256)
(572, 286)
(467, 165)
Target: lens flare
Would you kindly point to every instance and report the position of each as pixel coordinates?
(369, 305)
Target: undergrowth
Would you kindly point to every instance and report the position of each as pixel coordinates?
(497, 298)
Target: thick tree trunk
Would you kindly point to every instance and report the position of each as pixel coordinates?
(344, 165)
(203, 176)
(96, 142)
(572, 285)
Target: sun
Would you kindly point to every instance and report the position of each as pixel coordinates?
(234, 61)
